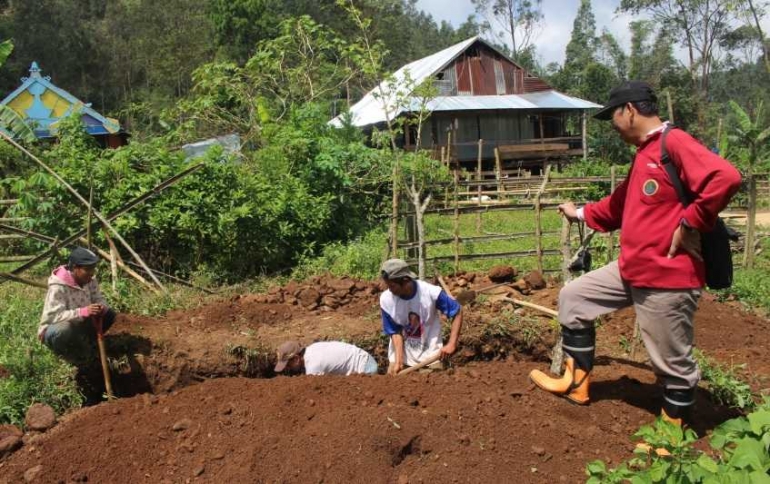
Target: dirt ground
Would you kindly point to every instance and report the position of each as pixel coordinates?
(189, 414)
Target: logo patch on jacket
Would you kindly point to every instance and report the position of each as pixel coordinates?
(650, 187)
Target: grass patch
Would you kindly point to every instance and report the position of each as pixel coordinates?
(32, 373)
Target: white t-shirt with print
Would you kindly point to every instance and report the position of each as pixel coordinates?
(420, 320)
(335, 358)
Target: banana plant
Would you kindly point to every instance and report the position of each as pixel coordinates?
(754, 138)
(10, 121)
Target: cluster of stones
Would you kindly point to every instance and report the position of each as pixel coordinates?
(319, 293)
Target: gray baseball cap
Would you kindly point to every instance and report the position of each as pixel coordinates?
(396, 269)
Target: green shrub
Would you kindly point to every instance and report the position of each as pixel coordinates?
(725, 386)
(741, 454)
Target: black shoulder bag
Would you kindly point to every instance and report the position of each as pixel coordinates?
(715, 245)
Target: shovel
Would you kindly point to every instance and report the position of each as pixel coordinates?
(97, 321)
(422, 364)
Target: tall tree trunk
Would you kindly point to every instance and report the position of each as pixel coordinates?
(512, 23)
(765, 48)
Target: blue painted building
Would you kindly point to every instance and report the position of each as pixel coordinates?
(42, 105)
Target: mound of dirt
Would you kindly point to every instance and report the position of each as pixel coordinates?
(478, 421)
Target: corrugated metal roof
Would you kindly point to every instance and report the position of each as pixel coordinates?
(538, 100)
(371, 108)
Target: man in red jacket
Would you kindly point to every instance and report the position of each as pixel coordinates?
(660, 271)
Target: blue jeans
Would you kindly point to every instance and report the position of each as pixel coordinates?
(75, 342)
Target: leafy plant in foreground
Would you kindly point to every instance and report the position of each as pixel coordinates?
(741, 454)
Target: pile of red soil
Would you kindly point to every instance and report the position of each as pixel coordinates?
(477, 422)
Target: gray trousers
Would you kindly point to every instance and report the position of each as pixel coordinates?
(75, 342)
(665, 318)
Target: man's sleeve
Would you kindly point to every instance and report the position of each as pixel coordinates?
(97, 297)
(447, 305)
(709, 178)
(606, 215)
(55, 310)
(389, 327)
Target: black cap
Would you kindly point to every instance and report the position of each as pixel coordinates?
(83, 257)
(628, 92)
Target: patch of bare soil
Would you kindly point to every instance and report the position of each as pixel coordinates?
(480, 421)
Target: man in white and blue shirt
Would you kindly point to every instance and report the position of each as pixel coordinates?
(410, 316)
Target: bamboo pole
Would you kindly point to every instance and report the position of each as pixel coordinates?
(113, 261)
(670, 106)
(499, 172)
(584, 136)
(478, 178)
(29, 282)
(527, 304)
(566, 250)
(90, 211)
(97, 214)
(107, 257)
(120, 211)
(456, 224)
(538, 234)
(611, 236)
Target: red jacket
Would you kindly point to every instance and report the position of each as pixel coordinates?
(646, 208)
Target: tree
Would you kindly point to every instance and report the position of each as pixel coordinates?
(753, 139)
(518, 20)
(699, 24)
(580, 50)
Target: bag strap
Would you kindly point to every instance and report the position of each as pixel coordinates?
(665, 160)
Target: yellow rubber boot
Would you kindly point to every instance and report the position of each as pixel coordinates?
(573, 385)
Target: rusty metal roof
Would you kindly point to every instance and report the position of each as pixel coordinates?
(391, 97)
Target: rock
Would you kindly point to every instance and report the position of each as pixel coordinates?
(538, 450)
(183, 424)
(535, 280)
(274, 290)
(31, 473)
(309, 298)
(198, 471)
(341, 285)
(361, 286)
(40, 417)
(331, 301)
(465, 440)
(461, 282)
(218, 455)
(522, 286)
(403, 479)
(466, 296)
(291, 288)
(10, 439)
(502, 274)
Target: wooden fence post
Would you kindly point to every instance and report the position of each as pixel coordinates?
(538, 220)
(499, 173)
(456, 222)
(557, 353)
(611, 236)
(478, 188)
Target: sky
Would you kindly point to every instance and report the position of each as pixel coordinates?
(559, 17)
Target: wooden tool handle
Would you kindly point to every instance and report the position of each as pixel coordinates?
(422, 364)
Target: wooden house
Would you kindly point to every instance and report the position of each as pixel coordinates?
(487, 107)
